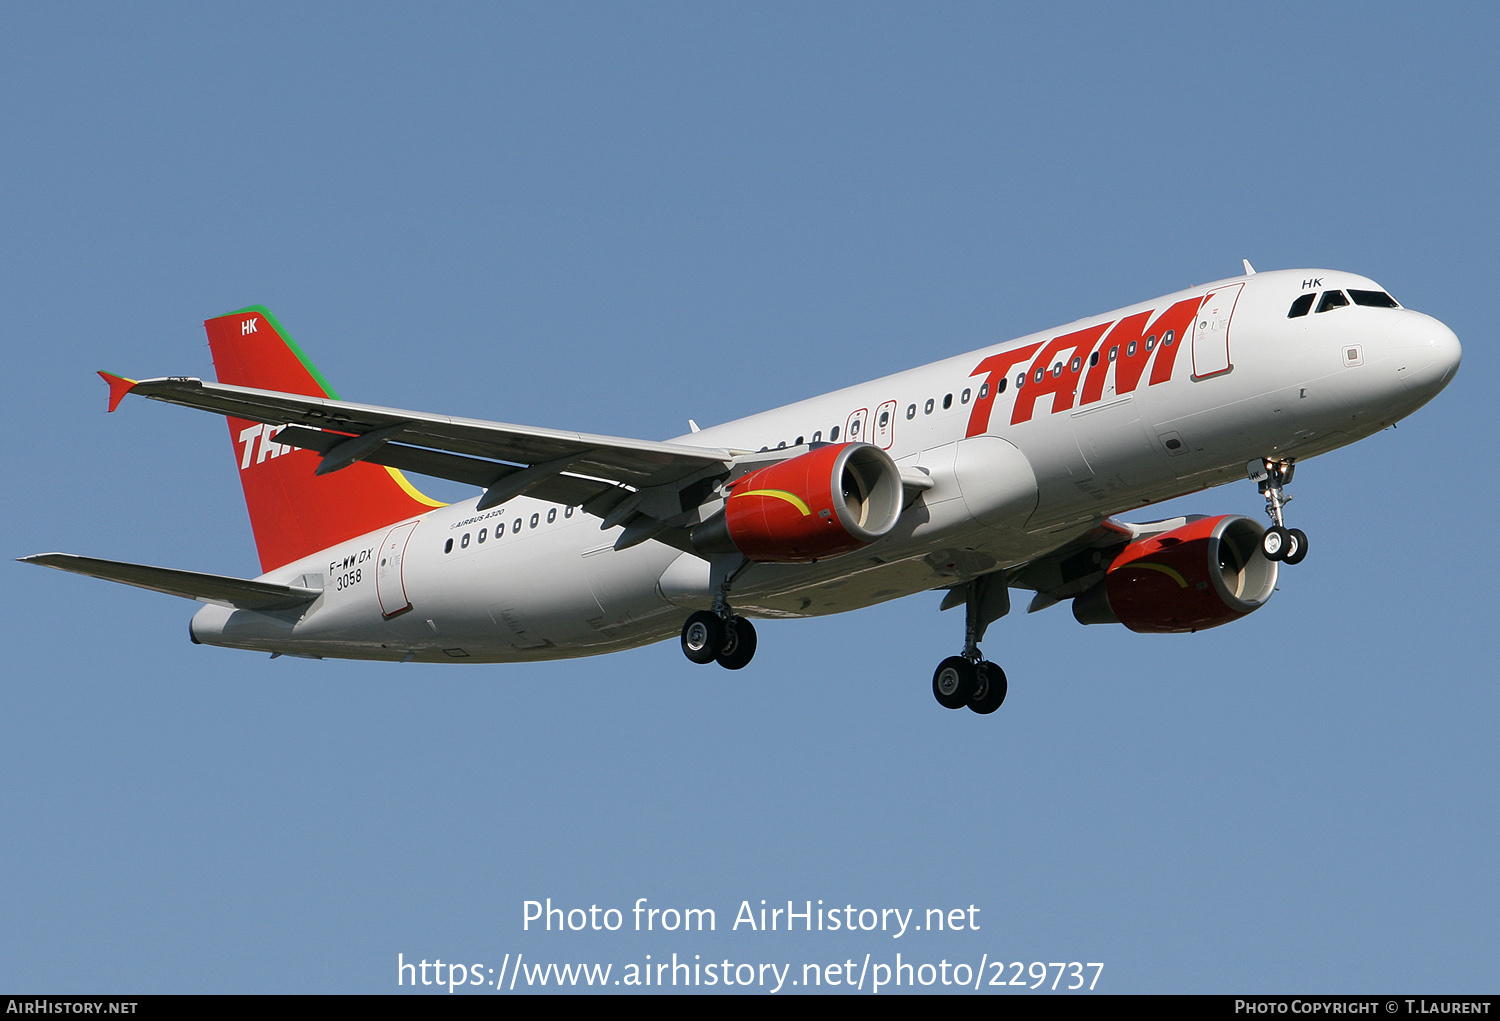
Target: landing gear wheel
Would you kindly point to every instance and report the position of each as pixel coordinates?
(739, 644)
(989, 689)
(1298, 548)
(954, 682)
(702, 637)
(1276, 543)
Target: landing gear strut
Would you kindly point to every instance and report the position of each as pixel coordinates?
(719, 635)
(1279, 542)
(970, 679)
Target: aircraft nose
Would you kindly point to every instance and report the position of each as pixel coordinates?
(1427, 353)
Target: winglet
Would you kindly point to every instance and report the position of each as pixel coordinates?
(119, 386)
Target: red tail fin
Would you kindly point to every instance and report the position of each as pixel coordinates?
(295, 513)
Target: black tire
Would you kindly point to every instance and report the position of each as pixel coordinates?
(953, 682)
(1299, 546)
(702, 636)
(1276, 543)
(989, 689)
(739, 644)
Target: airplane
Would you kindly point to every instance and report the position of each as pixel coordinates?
(999, 469)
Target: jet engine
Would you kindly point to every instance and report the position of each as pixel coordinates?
(826, 502)
(1200, 575)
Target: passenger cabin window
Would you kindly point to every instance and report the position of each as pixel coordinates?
(833, 434)
(911, 411)
(1302, 306)
(1373, 299)
(927, 408)
(1332, 299)
(947, 401)
(964, 397)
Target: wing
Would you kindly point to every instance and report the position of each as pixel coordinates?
(1061, 573)
(205, 588)
(506, 460)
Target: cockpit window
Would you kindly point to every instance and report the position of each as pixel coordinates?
(1301, 306)
(1374, 299)
(1332, 299)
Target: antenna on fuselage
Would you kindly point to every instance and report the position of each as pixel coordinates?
(1249, 269)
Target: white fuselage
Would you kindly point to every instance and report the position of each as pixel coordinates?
(1076, 443)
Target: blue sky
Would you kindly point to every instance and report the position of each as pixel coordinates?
(613, 218)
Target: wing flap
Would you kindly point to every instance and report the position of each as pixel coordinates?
(239, 593)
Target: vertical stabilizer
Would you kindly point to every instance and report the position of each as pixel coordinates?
(293, 511)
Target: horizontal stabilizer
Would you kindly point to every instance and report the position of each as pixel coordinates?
(238, 593)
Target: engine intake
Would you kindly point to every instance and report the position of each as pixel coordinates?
(1203, 574)
(824, 503)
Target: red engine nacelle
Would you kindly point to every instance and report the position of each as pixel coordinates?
(817, 505)
(1206, 573)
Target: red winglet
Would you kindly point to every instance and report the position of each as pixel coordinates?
(119, 386)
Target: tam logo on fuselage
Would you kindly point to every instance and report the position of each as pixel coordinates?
(1085, 357)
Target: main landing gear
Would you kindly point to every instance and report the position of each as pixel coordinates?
(719, 634)
(1280, 542)
(970, 679)
(708, 636)
(977, 683)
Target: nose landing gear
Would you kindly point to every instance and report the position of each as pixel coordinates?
(1288, 545)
